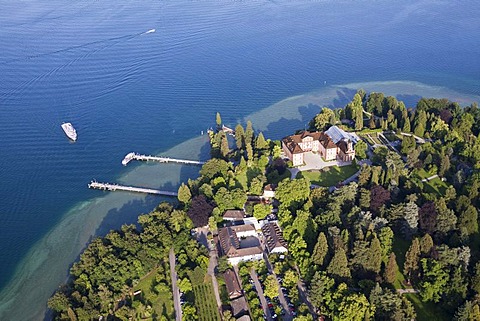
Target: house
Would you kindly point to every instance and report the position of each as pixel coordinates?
(233, 215)
(228, 244)
(269, 191)
(239, 307)
(244, 230)
(332, 144)
(244, 318)
(233, 286)
(274, 241)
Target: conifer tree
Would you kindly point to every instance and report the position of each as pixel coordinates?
(372, 123)
(218, 120)
(411, 259)
(391, 269)
(338, 267)
(239, 137)
(224, 149)
(249, 133)
(260, 142)
(406, 126)
(321, 250)
(426, 244)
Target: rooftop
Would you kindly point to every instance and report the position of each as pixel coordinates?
(234, 215)
(273, 236)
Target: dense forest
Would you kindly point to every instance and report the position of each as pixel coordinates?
(400, 243)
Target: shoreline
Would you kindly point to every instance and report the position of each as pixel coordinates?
(42, 269)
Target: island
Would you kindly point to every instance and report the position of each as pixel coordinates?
(369, 214)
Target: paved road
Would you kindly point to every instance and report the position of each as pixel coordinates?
(212, 264)
(175, 290)
(261, 296)
(303, 296)
(288, 315)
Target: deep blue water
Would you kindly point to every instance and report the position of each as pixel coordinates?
(89, 62)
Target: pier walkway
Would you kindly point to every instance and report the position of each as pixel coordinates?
(135, 156)
(116, 187)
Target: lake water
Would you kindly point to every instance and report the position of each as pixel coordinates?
(91, 63)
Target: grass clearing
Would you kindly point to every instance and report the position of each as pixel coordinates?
(162, 303)
(427, 311)
(400, 247)
(436, 185)
(331, 177)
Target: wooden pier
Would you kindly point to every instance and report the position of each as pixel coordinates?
(116, 187)
(135, 156)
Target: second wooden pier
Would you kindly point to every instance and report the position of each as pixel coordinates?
(116, 187)
(135, 156)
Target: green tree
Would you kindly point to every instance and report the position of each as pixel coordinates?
(371, 122)
(321, 292)
(338, 267)
(215, 167)
(475, 281)
(260, 143)
(218, 120)
(249, 133)
(469, 311)
(444, 165)
(184, 194)
(411, 258)
(224, 148)
(354, 307)
(59, 302)
(359, 120)
(426, 244)
(256, 186)
(260, 211)
(322, 119)
(468, 220)
(296, 190)
(406, 126)
(290, 279)
(391, 269)
(321, 250)
(434, 280)
(420, 123)
(408, 144)
(184, 285)
(239, 137)
(364, 199)
(271, 287)
(446, 219)
(361, 149)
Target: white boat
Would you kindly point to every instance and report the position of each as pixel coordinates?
(150, 31)
(69, 131)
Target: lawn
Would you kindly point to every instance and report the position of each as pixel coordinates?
(162, 303)
(400, 247)
(331, 177)
(436, 185)
(427, 311)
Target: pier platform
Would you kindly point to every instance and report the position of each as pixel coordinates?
(116, 187)
(135, 156)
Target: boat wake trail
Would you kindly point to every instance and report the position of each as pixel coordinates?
(68, 49)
